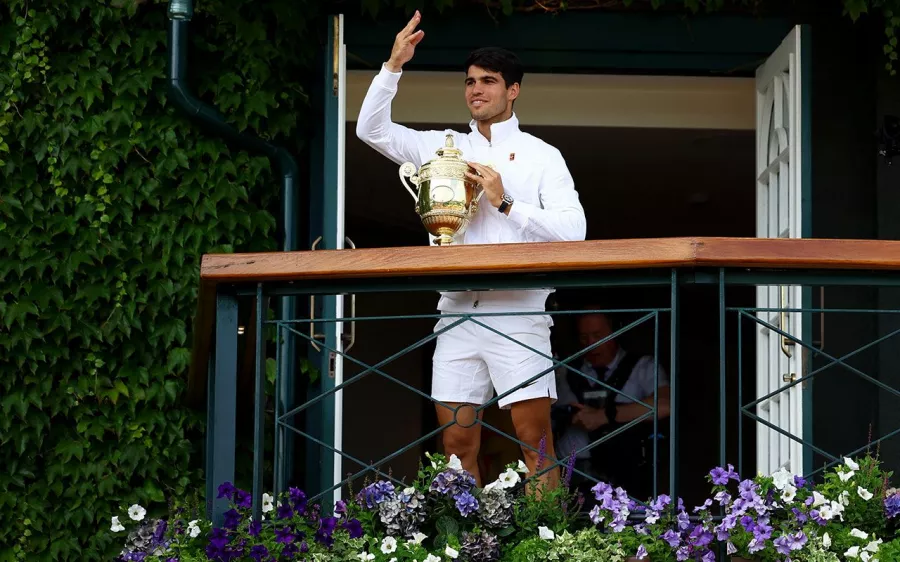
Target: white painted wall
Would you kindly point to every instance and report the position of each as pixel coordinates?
(578, 100)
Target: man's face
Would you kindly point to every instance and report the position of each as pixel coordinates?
(487, 95)
(591, 329)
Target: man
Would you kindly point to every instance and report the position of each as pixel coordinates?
(530, 197)
(587, 411)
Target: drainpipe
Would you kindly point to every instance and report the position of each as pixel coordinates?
(180, 13)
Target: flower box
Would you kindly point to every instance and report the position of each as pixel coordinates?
(443, 516)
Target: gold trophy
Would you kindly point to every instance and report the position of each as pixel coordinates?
(446, 199)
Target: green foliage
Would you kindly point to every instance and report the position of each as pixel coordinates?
(109, 198)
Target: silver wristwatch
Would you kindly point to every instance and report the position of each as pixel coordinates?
(506, 201)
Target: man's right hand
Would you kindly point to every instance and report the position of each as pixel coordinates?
(405, 44)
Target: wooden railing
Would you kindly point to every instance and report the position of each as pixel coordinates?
(512, 259)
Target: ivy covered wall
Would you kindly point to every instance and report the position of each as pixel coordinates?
(108, 199)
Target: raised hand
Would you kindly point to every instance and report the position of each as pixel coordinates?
(405, 44)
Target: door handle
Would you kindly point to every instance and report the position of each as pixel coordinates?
(787, 344)
(313, 336)
(352, 339)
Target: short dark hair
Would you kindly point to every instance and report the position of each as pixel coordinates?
(497, 59)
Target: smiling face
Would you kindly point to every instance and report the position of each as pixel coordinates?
(487, 96)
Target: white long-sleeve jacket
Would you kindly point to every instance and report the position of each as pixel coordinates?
(546, 206)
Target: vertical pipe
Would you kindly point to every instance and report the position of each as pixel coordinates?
(206, 116)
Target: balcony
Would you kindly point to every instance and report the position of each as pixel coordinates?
(738, 325)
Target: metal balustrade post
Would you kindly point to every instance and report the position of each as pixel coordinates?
(259, 422)
(223, 409)
(673, 387)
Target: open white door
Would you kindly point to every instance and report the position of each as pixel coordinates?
(780, 168)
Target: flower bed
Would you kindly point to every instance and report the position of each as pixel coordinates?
(443, 516)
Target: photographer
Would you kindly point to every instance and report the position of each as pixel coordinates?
(587, 410)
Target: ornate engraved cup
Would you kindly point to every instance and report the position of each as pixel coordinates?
(446, 200)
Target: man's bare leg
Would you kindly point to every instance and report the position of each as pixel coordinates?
(531, 419)
(463, 438)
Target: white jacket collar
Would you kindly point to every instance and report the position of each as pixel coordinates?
(499, 131)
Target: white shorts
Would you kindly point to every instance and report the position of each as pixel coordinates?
(471, 362)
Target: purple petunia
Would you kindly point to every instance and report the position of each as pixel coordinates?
(255, 528)
(353, 528)
(720, 476)
(289, 551)
(259, 552)
(671, 537)
(226, 490)
(284, 511)
(326, 531)
(232, 519)
(218, 538)
(298, 499)
(244, 499)
(285, 535)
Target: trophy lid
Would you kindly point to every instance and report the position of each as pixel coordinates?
(448, 151)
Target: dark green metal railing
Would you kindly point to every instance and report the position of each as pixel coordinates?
(223, 370)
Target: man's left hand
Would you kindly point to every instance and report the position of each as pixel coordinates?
(489, 180)
(589, 418)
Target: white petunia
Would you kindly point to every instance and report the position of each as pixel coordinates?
(865, 556)
(782, 478)
(136, 512)
(546, 533)
(454, 463)
(859, 534)
(826, 513)
(851, 464)
(389, 545)
(522, 468)
(365, 556)
(116, 526)
(268, 503)
(826, 540)
(193, 529)
(418, 538)
(863, 493)
(873, 546)
(844, 498)
(450, 552)
(492, 485)
(845, 476)
(818, 499)
(432, 558)
(509, 478)
(789, 493)
(852, 552)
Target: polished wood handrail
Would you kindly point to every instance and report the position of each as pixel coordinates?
(592, 255)
(552, 256)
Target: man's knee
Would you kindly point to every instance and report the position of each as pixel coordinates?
(463, 442)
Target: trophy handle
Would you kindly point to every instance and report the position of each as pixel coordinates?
(408, 170)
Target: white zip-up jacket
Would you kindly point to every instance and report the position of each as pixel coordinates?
(546, 206)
